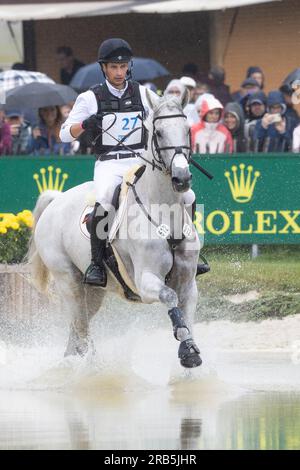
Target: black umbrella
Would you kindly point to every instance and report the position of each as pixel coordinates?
(40, 95)
(143, 69)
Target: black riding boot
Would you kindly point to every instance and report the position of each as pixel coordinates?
(95, 274)
(202, 268)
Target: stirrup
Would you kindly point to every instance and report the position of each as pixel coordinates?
(95, 275)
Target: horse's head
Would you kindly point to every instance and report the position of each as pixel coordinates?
(170, 140)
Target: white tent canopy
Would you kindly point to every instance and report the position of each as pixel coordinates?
(48, 11)
(44, 11)
(181, 6)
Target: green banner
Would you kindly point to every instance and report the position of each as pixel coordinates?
(252, 198)
(22, 179)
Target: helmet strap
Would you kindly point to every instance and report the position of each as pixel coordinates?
(129, 72)
(101, 66)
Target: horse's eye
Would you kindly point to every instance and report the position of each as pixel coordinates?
(158, 133)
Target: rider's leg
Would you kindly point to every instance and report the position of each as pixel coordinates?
(191, 204)
(96, 273)
(107, 175)
(105, 183)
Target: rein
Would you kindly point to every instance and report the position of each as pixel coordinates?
(156, 162)
(161, 229)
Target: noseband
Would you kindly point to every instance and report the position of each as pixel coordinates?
(158, 161)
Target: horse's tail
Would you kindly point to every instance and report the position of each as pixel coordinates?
(40, 274)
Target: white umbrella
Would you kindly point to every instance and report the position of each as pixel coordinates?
(12, 78)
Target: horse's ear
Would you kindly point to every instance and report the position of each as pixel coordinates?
(185, 98)
(152, 98)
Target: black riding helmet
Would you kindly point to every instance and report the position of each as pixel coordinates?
(114, 50)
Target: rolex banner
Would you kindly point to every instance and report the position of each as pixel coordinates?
(251, 199)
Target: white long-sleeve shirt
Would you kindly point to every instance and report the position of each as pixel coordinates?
(86, 105)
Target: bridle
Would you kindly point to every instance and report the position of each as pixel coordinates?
(158, 161)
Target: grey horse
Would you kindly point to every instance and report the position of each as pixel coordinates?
(160, 257)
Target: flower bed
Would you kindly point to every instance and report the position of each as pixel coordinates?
(15, 231)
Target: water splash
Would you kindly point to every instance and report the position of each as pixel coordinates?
(135, 348)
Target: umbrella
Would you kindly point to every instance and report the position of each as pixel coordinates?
(143, 70)
(295, 75)
(39, 95)
(12, 78)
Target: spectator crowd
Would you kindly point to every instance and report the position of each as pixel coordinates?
(221, 121)
(248, 120)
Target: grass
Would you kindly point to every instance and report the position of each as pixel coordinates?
(274, 274)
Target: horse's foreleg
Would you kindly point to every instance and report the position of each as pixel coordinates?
(153, 289)
(189, 351)
(187, 293)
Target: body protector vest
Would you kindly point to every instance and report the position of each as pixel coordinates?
(122, 118)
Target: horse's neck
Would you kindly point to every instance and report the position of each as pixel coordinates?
(160, 201)
(157, 187)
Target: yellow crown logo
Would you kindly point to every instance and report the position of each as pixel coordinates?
(242, 186)
(56, 182)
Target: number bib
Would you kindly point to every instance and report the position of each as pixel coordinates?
(124, 124)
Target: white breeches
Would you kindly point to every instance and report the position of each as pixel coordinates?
(108, 174)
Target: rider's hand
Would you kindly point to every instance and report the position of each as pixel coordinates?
(92, 122)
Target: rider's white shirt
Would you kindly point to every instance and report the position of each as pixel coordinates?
(86, 105)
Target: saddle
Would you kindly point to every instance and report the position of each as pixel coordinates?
(111, 257)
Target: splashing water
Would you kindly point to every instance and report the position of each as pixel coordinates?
(133, 393)
(136, 345)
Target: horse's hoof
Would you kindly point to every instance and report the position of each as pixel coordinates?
(82, 348)
(189, 354)
(194, 360)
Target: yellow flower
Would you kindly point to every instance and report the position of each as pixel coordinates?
(9, 218)
(9, 222)
(26, 217)
(16, 222)
(29, 222)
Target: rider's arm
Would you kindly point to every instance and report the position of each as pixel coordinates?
(76, 130)
(85, 106)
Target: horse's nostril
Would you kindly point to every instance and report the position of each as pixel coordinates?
(181, 185)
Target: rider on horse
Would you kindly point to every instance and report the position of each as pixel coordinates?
(111, 113)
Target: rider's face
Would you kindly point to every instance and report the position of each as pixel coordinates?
(116, 73)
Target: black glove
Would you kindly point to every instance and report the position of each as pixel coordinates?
(92, 122)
